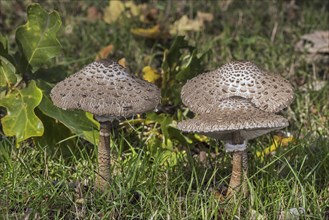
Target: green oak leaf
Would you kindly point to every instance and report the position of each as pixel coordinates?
(7, 73)
(37, 38)
(21, 120)
(54, 134)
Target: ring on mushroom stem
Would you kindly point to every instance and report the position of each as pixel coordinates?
(101, 89)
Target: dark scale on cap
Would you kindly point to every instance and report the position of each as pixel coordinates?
(106, 88)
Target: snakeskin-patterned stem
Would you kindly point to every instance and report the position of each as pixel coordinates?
(239, 169)
(104, 157)
(245, 189)
(239, 176)
(236, 176)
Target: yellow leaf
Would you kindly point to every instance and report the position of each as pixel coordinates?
(154, 32)
(150, 74)
(278, 141)
(134, 9)
(204, 16)
(113, 11)
(201, 138)
(123, 62)
(184, 24)
(104, 52)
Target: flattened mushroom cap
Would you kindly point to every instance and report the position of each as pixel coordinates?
(105, 88)
(266, 91)
(249, 123)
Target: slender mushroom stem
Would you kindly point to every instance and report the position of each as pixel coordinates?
(239, 166)
(239, 173)
(236, 176)
(245, 189)
(104, 157)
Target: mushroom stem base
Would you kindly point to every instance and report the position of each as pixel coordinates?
(104, 157)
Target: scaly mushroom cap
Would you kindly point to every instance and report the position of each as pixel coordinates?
(270, 93)
(245, 119)
(105, 88)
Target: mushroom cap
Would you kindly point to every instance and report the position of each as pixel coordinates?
(232, 103)
(248, 122)
(107, 89)
(268, 92)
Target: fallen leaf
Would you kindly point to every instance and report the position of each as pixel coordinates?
(315, 85)
(123, 62)
(184, 24)
(293, 213)
(155, 32)
(225, 4)
(204, 16)
(316, 45)
(93, 14)
(316, 42)
(113, 11)
(116, 8)
(278, 141)
(104, 52)
(201, 138)
(133, 8)
(150, 74)
(256, 215)
(148, 14)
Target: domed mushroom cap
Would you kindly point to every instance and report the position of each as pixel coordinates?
(105, 88)
(249, 123)
(268, 92)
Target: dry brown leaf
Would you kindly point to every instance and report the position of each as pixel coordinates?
(316, 44)
(148, 14)
(224, 4)
(93, 14)
(255, 215)
(155, 32)
(104, 52)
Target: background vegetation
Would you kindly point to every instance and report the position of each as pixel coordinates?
(162, 173)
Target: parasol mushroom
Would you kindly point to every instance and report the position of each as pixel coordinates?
(107, 90)
(245, 94)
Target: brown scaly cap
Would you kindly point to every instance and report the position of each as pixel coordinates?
(266, 91)
(246, 119)
(105, 88)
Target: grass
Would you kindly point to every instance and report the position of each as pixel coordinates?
(37, 182)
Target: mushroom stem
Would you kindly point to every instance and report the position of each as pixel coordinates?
(240, 165)
(236, 176)
(245, 189)
(104, 157)
(239, 174)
